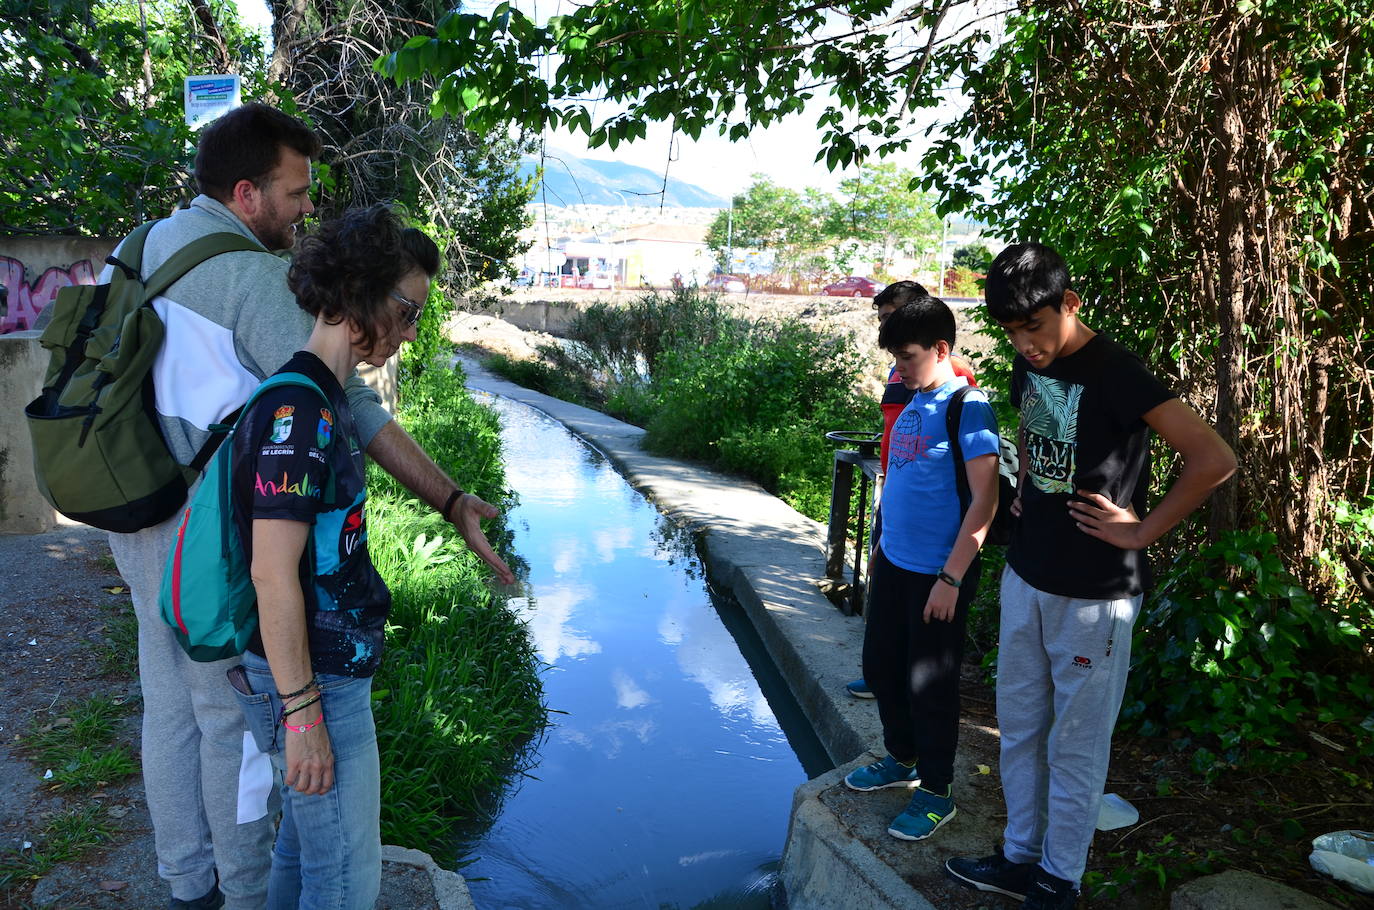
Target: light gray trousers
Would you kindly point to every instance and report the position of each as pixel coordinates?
(1061, 673)
(193, 741)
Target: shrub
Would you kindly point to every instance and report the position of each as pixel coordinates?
(752, 398)
(431, 346)
(758, 400)
(1234, 653)
(549, 373)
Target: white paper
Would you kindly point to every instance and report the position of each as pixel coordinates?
(255, 781)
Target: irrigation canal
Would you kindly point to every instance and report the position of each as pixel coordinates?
(666, 777)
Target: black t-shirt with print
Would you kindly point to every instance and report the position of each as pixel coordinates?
(297, 457)
(1081, 417)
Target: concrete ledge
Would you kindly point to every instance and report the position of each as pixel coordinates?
(23, 510)
(825, 866)
(450, 891)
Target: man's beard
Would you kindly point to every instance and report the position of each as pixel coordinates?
(271, 231)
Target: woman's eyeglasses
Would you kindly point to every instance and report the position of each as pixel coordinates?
(411, 316)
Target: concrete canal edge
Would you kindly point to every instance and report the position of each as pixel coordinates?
(770, 556)
(450, 890)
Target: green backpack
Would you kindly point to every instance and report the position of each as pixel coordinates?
(98, 450)
(207, 595)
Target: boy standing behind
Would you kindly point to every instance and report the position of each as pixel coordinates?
(1075, 567)
(895, 398)
(925, 569)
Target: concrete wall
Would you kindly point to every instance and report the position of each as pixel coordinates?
(549, 316)
(22, 364)
(33, 269)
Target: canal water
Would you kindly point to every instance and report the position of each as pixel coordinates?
(665, 779)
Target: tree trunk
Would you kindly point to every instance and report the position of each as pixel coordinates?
(1230, 286)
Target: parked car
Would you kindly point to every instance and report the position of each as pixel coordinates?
(853, 286)
(600, 281)
(731, 284)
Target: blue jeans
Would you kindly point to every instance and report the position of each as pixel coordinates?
(328, 854)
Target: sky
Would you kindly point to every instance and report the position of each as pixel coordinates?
(784, 152)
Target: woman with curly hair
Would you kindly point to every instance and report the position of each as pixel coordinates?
(306, 679)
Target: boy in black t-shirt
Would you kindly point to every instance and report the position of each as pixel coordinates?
(1075, 567)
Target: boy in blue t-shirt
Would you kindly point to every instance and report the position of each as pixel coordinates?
(925, 569)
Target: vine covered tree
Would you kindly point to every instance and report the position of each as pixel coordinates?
(96, 142)
(95, 139)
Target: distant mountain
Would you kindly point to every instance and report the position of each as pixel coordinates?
(569, 180)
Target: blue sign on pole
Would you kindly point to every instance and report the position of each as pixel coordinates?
(206, 97)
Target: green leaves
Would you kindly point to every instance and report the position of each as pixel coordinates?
(1234, 652)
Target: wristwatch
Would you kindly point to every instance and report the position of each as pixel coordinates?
(949, 579)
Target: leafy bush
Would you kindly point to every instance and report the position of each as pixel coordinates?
(430, 344)
(1352, 562)
(758, 401)
(1235, 654)
(458, 695)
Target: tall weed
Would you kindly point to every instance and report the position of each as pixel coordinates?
(458, 696)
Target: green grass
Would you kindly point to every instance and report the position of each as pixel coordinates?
(65, 837)
(118, 651)
(80, 748)
(458, 695)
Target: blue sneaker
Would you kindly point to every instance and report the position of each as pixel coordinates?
(859, 689)
(886, 773)
(923, 816)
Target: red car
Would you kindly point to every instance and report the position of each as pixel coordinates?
(853, 286)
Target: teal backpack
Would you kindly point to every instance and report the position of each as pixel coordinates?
(207, 595)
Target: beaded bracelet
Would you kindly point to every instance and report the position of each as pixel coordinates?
(303, 727)
(301, 691)
(285, 712)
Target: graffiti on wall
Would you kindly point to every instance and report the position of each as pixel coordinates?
(24, 301)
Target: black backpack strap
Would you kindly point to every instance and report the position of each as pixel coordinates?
(132, 252)
(193, 254)
(953, 413)
(218, 433)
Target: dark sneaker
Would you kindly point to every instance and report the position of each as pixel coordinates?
(1050, 893)
(924, 815)
(886, 773)
(993, 873)
(212, 901)
(859, 689)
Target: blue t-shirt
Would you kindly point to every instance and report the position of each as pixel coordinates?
(920, 499)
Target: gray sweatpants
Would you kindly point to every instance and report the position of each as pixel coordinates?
(1061, 673)
(193, 742)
